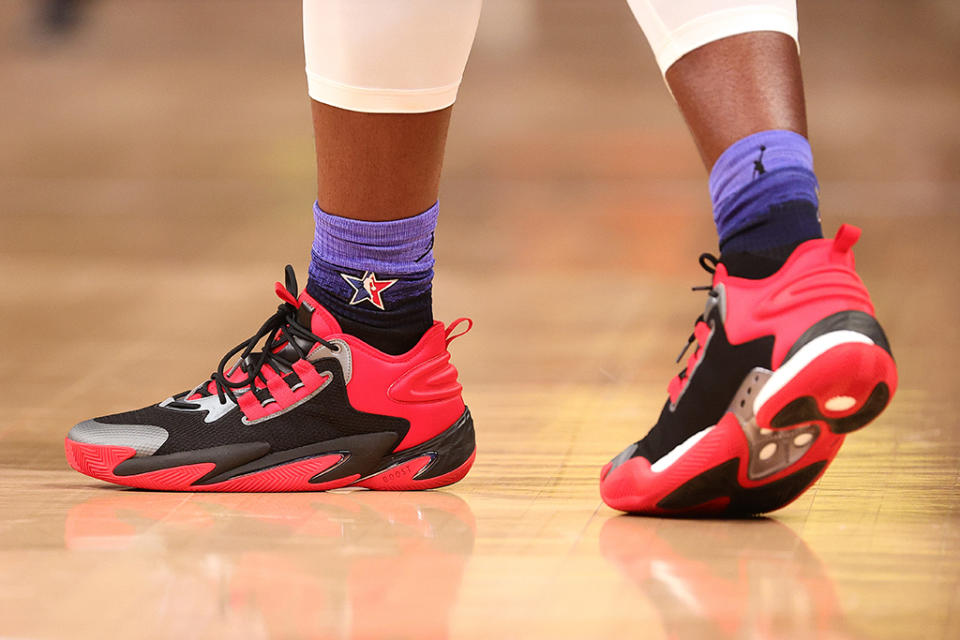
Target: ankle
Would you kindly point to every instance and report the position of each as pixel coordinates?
(393, 331)
(764, 194)
(375, 278)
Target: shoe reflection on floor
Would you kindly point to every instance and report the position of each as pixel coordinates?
(346, 565)
(725, 578)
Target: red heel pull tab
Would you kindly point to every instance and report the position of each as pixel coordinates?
(285, 295)
(847, 236)
(450, 333)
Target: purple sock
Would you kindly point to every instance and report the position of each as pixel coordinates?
(375, 277)
(764, 194)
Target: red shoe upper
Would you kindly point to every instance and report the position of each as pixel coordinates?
(818, 279)
(420, 386)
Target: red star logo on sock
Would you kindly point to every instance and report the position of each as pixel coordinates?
(368, 288)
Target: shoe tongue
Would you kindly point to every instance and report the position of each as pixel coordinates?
(312, 314)
(757, 265)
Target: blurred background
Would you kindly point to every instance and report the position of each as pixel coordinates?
(156, 173)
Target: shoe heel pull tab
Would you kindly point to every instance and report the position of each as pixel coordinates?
(451, 336)
(285, 295)
(847, 236)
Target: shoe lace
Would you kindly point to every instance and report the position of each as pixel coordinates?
(281, 330)
(701, 331)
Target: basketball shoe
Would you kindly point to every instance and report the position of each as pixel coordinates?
(312, 409)
(784, 367)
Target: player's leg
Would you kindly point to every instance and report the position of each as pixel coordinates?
(378, 179)
(738, 86)
(378, 166)
(349, 383)
(382, 77)
(788, 357)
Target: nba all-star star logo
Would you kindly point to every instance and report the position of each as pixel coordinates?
(368, 288)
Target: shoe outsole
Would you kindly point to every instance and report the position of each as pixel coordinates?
(761, 457)
(438, 462)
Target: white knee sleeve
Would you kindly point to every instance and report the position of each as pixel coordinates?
(677, 27)
(387, 56)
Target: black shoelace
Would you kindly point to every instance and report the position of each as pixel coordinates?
(281, 330)
(709, 263)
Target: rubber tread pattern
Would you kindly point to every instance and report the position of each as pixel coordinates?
(722, 482)
(805, 409)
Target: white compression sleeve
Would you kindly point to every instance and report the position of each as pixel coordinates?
(387, 56)
(674, 28)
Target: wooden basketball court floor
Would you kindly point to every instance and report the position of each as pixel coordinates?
(156, 175)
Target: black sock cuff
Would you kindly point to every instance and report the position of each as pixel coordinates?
(779, 225)
(394, 331)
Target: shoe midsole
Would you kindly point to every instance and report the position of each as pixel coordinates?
(447, 451)
(764, 391)
(677, 452)
(362, 455)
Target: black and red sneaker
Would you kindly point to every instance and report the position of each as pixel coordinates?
(785, 365)
(312, 409)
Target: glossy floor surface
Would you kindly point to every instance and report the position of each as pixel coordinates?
(156, 175)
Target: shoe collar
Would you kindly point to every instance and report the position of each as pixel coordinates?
(311, 313)
(836, 250)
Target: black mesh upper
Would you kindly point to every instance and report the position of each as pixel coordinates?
(707, 396)
(325, 416)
